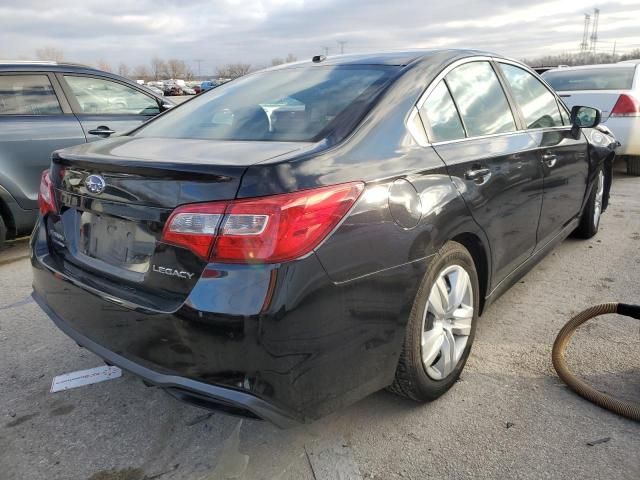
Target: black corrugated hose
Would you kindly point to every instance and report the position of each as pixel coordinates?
(626, 409)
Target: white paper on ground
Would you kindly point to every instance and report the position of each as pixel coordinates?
(84, 377)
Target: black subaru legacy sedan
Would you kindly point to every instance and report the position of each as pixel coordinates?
(303, 236)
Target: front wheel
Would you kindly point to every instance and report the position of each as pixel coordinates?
(590, 221)
(441, 326)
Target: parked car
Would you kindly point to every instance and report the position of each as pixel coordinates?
(173, 90)
(155, 90)
(186, 90)
(45, 106)
(615, 90)
(286, 270)
(207, 85)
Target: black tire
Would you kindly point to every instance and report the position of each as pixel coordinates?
(412, 380)
(3, 232)
(633, 165)
(588, 227)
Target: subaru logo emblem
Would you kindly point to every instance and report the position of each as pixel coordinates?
(95, 184)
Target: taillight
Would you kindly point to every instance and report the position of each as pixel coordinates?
(46, 196)
(626, 106)
(269, 229)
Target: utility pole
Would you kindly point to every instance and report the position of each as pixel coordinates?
(198, 61)
(594, 30)
(585, 33)
(614, 48)
(326, 51)
(341, 43)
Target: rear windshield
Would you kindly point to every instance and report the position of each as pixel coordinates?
(618, 78)
(294, 104)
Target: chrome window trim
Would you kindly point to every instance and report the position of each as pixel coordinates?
(480, 58)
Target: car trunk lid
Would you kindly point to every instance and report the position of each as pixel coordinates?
(111, 238)
(604, 100)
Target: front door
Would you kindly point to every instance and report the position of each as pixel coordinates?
(563, 157)
(107, 107)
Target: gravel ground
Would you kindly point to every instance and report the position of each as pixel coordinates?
(508, 417)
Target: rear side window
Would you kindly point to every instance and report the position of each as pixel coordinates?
(616, 78)
(537, 104)
(104, 97)
(480, 99)
(440, 115)
(27, 95)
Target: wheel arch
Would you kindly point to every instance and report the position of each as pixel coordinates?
(480, 256)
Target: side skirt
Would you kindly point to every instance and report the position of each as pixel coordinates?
(531, 262)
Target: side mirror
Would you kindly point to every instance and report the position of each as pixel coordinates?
(585, 117)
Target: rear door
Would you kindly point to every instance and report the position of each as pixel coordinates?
(563, 156)
(492, 161)
(105, 106)
(35, 120)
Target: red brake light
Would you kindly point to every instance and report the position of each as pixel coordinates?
(626, 106)
(46, 195)
(269, 229)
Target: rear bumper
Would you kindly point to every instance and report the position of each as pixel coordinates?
(183, 388)
(282, 342)
(627, 132)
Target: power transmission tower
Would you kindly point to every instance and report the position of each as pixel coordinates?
(326, 51)
(585, 34)
(198, 61)
(341, 43)
(594, 30)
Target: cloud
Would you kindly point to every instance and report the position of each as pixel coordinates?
(255, 31)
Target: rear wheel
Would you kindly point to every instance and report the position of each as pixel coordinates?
(633, 165)
(590, 221)
(441, 326)
(3, 232)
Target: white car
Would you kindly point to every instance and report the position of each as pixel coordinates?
(615, 90)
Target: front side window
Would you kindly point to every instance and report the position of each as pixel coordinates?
(27, 95)
(293, 104)
(537, 104)
(481, 101)
(104, 97)
(440, 115)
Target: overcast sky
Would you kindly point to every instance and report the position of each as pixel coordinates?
(255, 31)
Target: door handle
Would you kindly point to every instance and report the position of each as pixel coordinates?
(549, 159)
(102, 130)
(478, 174)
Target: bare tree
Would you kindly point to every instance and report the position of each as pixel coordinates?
(582, 58)
(280, 61)
(123, 69)
(234, 70)
(104, 66)
(50, 53)
(141, 72)
(158, 68)
(176, 68)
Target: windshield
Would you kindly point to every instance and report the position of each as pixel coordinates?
(294, 104)
(618, 78)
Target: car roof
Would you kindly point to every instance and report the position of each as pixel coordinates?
(397, 58)
(46, 66)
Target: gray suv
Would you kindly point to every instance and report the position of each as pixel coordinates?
(45, 106)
